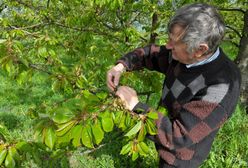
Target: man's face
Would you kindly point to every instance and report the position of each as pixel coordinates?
(178, 48)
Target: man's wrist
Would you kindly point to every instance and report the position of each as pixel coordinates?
(120, 67)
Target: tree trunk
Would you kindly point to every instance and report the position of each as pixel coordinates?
(242, 60)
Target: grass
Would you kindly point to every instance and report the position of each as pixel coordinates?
(230, 148)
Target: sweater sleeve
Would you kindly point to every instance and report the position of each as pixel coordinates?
(151, 57)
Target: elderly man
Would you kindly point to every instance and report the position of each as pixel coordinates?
(200, 90)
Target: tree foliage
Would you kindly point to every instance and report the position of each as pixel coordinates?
(74, 43)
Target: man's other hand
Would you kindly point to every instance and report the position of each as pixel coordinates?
(128, 96)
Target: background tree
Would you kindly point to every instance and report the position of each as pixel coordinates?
(69, 46)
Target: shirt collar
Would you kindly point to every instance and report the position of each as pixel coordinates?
(207, 60)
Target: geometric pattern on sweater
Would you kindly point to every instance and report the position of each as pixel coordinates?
(177, 87)
(199, 100)
(216, 93)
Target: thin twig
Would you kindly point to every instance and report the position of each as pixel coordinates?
(236, 31)
(232, 9)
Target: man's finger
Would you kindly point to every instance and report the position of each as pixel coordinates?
(110, 83)
(116, 80)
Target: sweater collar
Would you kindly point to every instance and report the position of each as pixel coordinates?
(207, 60)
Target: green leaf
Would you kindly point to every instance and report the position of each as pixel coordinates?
(65, 127)
(142, 133)
(50, 137)
(144, 147)
(107, 124)
(23, 146)
(62, 115)
(42, 51)
(122, 123)
(2, 41)
(102, 95)
(117, 116)
(150, 127)
(98, 133)
(135, 129)
(3, 154)
(14, 154)
(126, 148)
(135, 155)
(152, 115)
(87, 137)
(74, 104)
(163, 110)
(128, 120)
(90, 97)
(76, 134)
(9, 161)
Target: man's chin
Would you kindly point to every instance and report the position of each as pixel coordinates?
(175, 58)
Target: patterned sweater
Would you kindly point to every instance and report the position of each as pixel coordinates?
(199, 100)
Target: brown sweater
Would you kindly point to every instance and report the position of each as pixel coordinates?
(199, 100)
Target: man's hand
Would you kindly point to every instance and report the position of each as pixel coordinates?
(128, 96)
(113, 76)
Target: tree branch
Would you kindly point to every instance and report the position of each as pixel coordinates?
(87, 30)
(30, 27)
(36, 66)
(236, 31)
(232, 9)
(153, 34)
(235, 44)
(48, 3)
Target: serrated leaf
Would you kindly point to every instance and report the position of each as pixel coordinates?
(107, 124)
(126, 148)
(98, 133)
(135, 129)
(50, 137)
(76, 135)
(87, 137)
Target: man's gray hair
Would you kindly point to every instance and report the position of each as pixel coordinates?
(202, 24)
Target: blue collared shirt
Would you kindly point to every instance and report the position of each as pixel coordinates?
(209, 59)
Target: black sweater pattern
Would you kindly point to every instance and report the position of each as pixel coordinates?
(199, 100)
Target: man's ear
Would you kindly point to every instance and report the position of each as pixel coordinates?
(201, 51)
